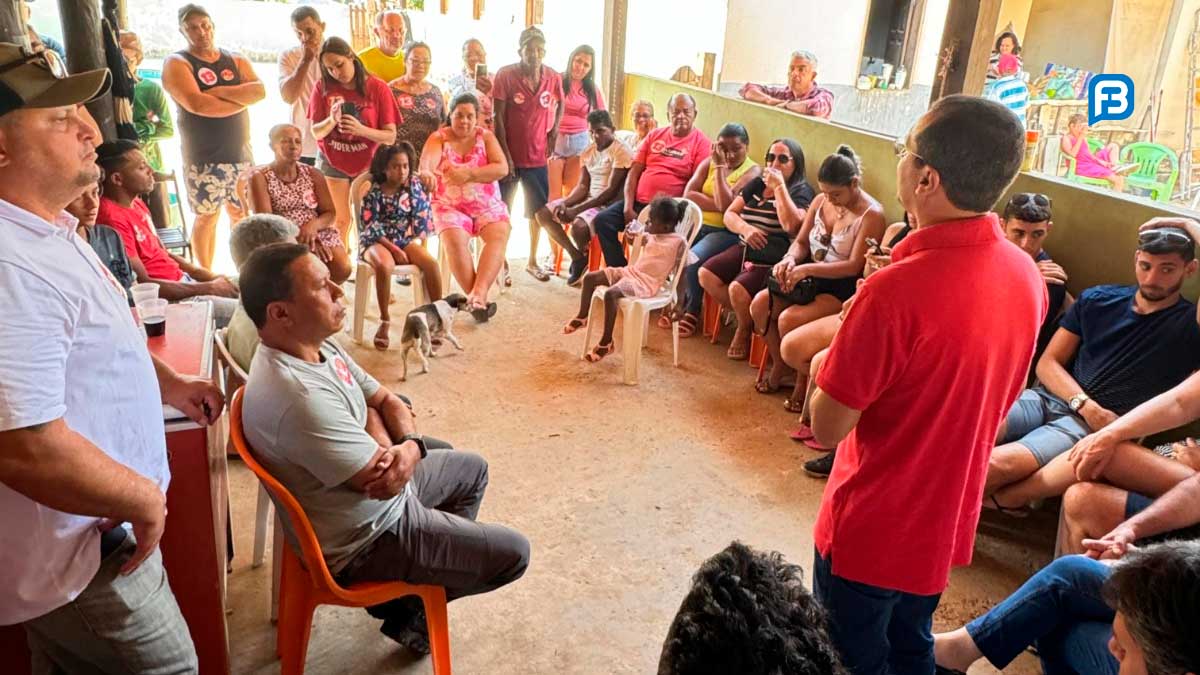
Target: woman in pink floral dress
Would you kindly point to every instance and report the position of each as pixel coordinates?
(289, 188)
(461, 164)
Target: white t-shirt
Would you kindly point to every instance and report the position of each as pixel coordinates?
(600, 164)
(289, 61)
(69, 349)
(307, 425)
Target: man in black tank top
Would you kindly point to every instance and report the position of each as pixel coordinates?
(212, 88)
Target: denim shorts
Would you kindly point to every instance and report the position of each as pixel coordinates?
(330, 171)
(572, 145)
(1043, 423)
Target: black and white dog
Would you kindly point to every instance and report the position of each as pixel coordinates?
(426, 323)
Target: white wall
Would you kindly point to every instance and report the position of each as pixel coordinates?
(929, 48)
(663, 35)
(760, 35)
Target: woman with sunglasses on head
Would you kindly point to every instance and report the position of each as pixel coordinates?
(765, 216)
(821, 268)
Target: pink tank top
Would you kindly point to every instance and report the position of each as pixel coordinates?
(475, 158)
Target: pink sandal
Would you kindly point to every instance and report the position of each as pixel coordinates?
(801, 433)
(598, 352)
(574, 325)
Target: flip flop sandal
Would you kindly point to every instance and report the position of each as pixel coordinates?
(801, 433)
(764, 387)
(664, 320)
(792, 406)
(482, 314)
(1022, 512)
(382, 341)
(538, 273)
(574, 325)
(598, 352)
(738, 352)
(687, 325)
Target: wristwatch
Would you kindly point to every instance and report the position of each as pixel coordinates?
(1078, 400)
(419, 440)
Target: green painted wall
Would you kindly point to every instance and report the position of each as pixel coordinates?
(1095, 231)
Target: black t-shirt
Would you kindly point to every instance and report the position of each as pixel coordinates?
(1058, 294)
(1125, 358)
(760, 203)
(111, 250)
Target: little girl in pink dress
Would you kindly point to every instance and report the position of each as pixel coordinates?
(643, 279)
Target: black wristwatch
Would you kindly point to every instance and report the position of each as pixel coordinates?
(419, 440)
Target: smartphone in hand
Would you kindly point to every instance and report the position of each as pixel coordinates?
(480, 70)
(873, 245)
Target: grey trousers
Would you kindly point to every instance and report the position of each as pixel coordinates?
(437, 540)
(117, 625)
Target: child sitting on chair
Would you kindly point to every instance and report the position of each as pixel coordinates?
(396, 219)
(643, 279)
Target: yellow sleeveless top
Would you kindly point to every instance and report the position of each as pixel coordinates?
(717, 218)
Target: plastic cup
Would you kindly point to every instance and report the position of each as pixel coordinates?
(153, 313)
(143, 292)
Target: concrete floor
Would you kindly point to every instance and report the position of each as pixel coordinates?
(622, 491)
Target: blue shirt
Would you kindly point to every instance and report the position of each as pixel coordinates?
(1126, 358)
(1011, 92)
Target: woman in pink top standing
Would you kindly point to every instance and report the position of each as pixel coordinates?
(581, 96)
(462, 162)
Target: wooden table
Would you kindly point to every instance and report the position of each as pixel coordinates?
(193, 543)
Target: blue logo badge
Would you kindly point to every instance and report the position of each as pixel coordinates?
(1110, 97)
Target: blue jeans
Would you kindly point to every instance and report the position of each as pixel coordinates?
(1061, 611)
(877, 631)
(609, 223)
(709, 242)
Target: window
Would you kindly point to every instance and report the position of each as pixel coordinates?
(893, 31)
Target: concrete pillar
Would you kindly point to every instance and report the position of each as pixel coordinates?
(85, 51)
(967, 37)
(612, 61)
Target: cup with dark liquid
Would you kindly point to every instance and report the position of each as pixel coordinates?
(153, 313)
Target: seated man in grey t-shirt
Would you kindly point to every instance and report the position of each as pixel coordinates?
(383, 506)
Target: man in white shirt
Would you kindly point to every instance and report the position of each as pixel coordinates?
(83, 464)
(299, 70)
(606, 162)
(384, 503)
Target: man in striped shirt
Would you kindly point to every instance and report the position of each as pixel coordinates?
(1010, 89)
(802, 94)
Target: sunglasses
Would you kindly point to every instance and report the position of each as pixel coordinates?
(1026, 197)
(902, 151)
(783, 159)
(1148, 236)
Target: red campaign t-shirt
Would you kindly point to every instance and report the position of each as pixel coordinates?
(934, 352)
(576, 108)
(352, 154)
(140, 239)
(670, 161)
(528, 114)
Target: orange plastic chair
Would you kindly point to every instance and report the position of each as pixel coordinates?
(710, 318)
(758, 353)
(306, 583)
(595, 255)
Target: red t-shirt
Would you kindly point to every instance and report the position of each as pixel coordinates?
(141, 241)
(528, 114)
(352, 154)
(670, 161)
(576, 108)
(934, 352)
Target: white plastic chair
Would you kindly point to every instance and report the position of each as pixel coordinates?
(635, 312)
(263, 509)
(364, 273)
(475, 246)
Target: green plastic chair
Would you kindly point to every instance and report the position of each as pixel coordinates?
(1150, 157)
(1096, 145)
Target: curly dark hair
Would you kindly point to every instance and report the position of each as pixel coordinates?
(749, 613)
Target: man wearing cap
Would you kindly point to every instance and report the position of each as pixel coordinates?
(213, 88)
(83, 462)
(385, 59)
(527, 98)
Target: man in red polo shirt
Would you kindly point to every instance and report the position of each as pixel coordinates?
(527, 97)
(930, 357)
